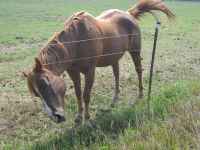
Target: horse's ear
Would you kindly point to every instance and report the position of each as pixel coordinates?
(25, 74)
(38, 65)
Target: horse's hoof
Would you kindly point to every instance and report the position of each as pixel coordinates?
(141, 95)
(112, 105)
(90, 123)
(131, 103)
(86, 116)
(78, 119)
(114, 101)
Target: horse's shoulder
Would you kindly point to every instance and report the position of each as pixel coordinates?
(52, 37)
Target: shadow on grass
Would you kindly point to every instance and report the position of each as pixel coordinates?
(111, 123)
(107, 123)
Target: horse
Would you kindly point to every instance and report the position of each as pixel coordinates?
(87, 42)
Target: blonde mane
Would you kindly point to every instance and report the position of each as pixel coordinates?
(79, 16)
(53, 37)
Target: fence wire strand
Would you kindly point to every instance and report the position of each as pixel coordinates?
(92, 39)
(98, 38)
(88, 58)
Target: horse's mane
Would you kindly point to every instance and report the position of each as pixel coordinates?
(58, 45)
(78, 17)
(30, 86)
(52, 43)
(54, 37)
(69, 23)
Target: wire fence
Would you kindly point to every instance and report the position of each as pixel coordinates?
(88, 58)
(97, 38)
(107, 95)
(100, 92)
(92, 39)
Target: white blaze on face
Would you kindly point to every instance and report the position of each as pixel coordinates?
(47, 109)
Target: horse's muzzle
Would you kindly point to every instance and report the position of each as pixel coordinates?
(59, 117)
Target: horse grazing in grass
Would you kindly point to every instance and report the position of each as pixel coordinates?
(87, 42)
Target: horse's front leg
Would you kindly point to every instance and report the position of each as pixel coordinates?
(76, 78)
(115, 68)
(89, 80)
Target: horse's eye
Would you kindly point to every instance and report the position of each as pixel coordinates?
(44, 88)
(43, 84)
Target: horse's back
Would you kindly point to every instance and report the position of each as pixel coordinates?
(119, 26)
(120, 19)
(110, 13)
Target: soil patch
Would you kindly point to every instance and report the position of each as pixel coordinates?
(7, 48)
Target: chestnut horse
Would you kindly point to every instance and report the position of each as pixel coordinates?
(87, 42)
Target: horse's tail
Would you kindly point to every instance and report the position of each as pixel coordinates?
(146, 6)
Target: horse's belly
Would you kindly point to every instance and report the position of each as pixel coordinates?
(112, 52)
(114, 44)
(109, 59)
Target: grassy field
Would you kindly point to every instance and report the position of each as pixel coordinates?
(25, 27)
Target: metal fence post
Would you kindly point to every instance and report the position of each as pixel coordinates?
(151, 68)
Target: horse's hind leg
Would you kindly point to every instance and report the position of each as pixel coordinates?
(135, 55)
(115, 68)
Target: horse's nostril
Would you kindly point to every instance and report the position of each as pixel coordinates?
(59, 118)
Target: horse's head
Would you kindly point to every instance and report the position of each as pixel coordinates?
(50, 88)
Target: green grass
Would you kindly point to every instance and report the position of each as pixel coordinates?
(125, 125)
(25, 27)
(130, 126)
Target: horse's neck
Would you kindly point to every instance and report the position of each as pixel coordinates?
(70, 43)
(60, 54)
(55, 57)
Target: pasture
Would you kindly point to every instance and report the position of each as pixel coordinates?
(25, 26)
